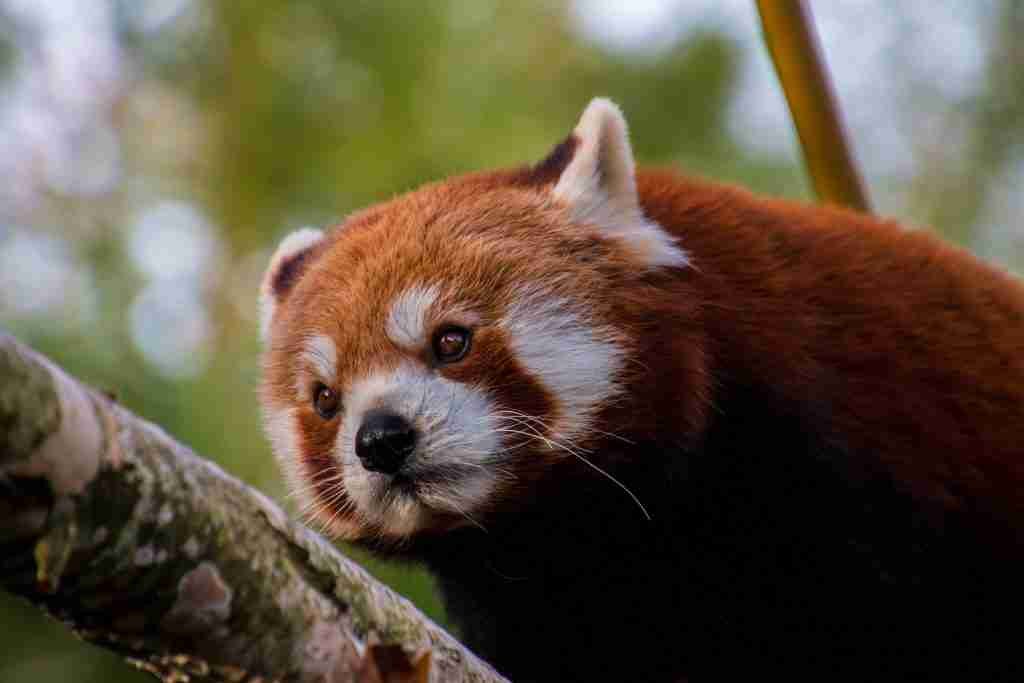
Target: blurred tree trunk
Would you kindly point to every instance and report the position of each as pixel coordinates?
(144, 548)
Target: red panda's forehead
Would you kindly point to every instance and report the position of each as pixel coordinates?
(469, 248)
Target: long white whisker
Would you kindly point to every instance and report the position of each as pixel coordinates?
(533, 418)
(618, 483)
(312, 486)
(575, 452)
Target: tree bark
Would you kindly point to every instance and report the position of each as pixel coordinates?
(144, 548)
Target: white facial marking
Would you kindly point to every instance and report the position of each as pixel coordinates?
(456, 446)
(599, 186)
(320, 354)
(407, 321)
(574, 360)
(282, 430)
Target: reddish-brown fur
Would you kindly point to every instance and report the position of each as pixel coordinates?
(889, 360)
(914, 347)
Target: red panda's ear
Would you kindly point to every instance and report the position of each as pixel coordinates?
(292, 257)
(599, 187)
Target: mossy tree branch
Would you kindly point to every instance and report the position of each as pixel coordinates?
(146, 549)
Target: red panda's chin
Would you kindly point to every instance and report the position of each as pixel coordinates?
(393, 532)
(395, 509)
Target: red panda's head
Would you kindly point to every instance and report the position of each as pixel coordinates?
(433, 355)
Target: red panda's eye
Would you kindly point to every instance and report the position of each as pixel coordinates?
(326, 401)
(451, 344)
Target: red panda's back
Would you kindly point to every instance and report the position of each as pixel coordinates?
(913, 348)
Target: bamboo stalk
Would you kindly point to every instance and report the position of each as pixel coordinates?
(793, 44)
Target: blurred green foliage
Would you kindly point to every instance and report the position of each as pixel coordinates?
(6, 53)
(271, 115)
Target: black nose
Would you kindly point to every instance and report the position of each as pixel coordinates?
(384, 441)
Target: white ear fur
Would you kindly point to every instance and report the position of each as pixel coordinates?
(290, 246)
(599, 186)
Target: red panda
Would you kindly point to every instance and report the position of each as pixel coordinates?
(647, 427)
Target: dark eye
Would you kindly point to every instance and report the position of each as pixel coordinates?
(326, 401)
(451, 344)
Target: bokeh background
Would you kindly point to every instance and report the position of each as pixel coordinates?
(152, 152)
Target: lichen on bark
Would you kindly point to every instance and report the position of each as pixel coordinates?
(149, 550)
(29, 409)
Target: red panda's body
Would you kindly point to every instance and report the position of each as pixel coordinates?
(663, 429)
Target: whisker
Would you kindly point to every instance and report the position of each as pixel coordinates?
(469, 518)
(542, 423)
(575, 452)
(618, 483)
(313, 486)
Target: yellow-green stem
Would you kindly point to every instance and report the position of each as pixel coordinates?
(789, 34)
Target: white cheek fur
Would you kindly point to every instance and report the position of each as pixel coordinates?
(575, 361)
(283, 432)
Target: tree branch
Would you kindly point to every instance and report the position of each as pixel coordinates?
(146, 549)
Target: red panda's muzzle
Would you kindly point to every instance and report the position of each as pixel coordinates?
(384, 442)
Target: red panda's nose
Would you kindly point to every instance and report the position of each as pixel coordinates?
(384, 441)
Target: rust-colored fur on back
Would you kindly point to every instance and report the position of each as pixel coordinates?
(910, 347)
